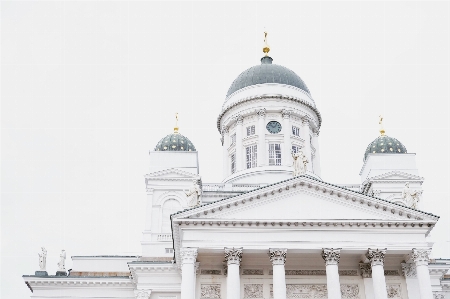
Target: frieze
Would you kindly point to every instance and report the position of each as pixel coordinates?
(210, 291)
(304, 291)
(142, 294)
(394, 291)
(210, 272)
(349, 291)
(317, 272)
(391, 273)
(253, 291)
(252, 272)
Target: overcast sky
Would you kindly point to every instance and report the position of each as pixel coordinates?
(88, 88)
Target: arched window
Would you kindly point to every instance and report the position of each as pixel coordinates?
(170, 206)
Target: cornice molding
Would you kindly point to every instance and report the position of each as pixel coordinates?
(278, 96)
(313, 186)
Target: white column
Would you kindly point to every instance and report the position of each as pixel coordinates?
(188, 258)
(376, 258)
(331, 257)
(315, 143)
(421, 259)
(196, 267)
(287, 129)
(278, 259)
(225, 146)
(239, 152)
(412, 285)
(233, 258)
(366, 273)
(305, 135)
(261, 151)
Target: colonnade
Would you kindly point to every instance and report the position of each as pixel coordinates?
(331, 256)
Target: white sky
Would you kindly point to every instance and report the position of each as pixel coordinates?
(88, 88)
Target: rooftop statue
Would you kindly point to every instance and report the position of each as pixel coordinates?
(42, 259)
(193, 195)
(299, 163)
(411, 197)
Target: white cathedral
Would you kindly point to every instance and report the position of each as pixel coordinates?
(272, 228)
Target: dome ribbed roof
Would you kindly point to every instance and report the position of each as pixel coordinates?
(385, 145)
(175, 142)
(267, 73)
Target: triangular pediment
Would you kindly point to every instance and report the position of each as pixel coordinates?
(172, 173)
(396, 176)
(304, 198)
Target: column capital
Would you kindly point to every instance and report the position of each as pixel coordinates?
(277, 256)
(233, 256)
(239, 119)
(376, 256)
(188, 255)
(286, 113)
(331, 256)
(142, 294)
(316, 133)
(261, 112)
(409, 270)
(421, 256)
(305, 121)
(366, 270)
(196, 267)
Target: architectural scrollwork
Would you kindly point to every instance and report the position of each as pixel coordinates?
(233, 255)
(286, 113)
(261, 112)
(409, 270)
(239, 119)
(142, 294)
(438, 295)
(253, 291)
(366, 270)
(278, 256)
(421, 256)
(188, 255)
(349, 291)
(331, 256)
(376, 256)
(210, 291)
(393, 291)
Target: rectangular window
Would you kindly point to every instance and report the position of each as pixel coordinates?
(296, 148)
(295, 131)
(169, 250)
(250, 130)
(274, 154)
(233, 162)
(251, 153)
(233, 139)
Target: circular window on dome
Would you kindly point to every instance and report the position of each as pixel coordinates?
(273, 127)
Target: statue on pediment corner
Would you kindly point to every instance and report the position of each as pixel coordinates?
(194, 193)
(411, 197)
(299, 163)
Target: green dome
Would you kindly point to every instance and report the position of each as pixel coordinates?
(385, 145)
(175, 142)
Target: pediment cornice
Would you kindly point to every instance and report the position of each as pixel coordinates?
(172, 174)
(339, 194)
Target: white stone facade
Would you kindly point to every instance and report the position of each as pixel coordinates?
(262, 233)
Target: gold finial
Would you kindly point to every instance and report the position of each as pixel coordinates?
(175, 130)
(382, 131)
(266, 48)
